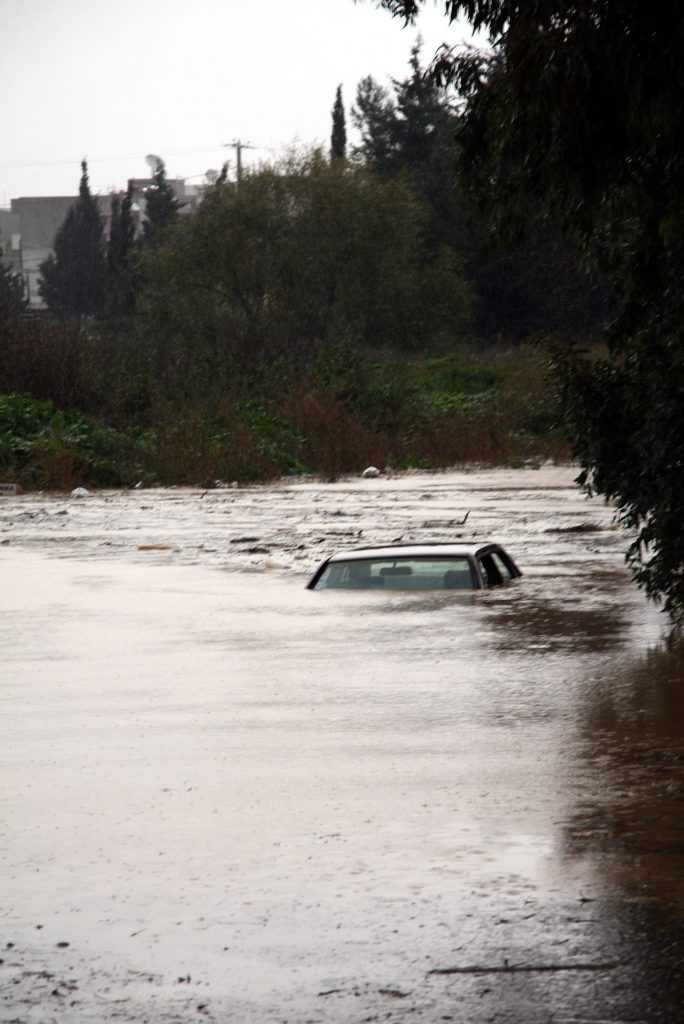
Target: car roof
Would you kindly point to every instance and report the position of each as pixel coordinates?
(464, 549)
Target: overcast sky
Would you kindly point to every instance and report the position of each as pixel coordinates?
(114, 80)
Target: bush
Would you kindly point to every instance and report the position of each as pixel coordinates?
(42, 446)
(336, 411)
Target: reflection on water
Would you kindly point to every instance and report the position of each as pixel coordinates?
(620, 826)
(553, 625)
(631, 735)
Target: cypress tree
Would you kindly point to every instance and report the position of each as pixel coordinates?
(120, 285)
(338, 138)
(73, 277)
(121, 232)
(12, 293)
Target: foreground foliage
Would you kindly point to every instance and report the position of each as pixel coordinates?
(577, 114)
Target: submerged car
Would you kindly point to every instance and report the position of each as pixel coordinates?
(465, 566)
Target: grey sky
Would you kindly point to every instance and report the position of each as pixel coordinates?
(113, 81)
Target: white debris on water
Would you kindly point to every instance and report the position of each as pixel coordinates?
(371, 473)
(297, 523)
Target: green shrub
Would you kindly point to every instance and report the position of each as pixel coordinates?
(43, 446)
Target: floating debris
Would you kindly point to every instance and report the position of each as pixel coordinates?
(579, 528)
(507, 968)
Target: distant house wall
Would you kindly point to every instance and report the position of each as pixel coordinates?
(10, 241)
(40, 219)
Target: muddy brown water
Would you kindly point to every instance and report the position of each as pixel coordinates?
(227, 798)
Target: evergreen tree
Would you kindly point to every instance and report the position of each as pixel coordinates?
(338, 138)
(73, 277)
(374, 116)
(161, 203)
(120, 286)
(412, 131)
(121, 232)
(425, 123)
(406, 130)
(12, 293)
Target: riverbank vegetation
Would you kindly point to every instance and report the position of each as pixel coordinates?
(80, 407)
(327, 312)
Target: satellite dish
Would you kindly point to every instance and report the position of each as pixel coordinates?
(211, 175)
(153, 161)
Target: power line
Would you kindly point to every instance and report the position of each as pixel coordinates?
(114, 156)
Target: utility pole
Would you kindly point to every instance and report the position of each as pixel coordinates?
(238, 145)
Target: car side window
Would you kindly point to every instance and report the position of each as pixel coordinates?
(490, 573)
(503, 569)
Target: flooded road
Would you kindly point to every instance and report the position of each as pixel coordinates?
(226, 798)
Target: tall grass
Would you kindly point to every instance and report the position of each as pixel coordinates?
(88, 406)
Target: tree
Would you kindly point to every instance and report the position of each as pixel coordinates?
(537, 286)
(407, 135)
(577, 114)
(73, 277)
(13, 298)
(161, 203)
(373, 115)
(306, 252)
(519, 289)
(120, 284)
(338, 138)
(121, 232)
(411, 132)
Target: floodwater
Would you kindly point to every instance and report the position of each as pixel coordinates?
(227, 798)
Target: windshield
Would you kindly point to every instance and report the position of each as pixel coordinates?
(397, 574)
